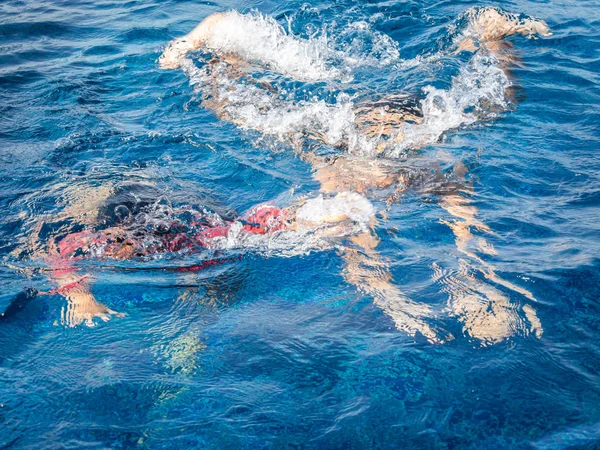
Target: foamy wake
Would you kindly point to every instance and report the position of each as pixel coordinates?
(320, 224)
(257, 38)
(253, 107)
(478, 92)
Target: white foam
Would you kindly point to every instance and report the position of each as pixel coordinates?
(477, 92)
(259, 38)
(350, 205)
(320, 224)
(252, 107)
(332, 123)
(282, 243)
(327, 54)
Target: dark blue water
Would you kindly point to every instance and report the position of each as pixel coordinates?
(279, 350)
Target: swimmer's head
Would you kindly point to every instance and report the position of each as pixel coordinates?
(127, 201)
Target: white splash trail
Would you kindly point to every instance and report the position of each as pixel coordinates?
(477, 93)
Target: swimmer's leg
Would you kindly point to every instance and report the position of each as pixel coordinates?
(177, 49)
(486, 32)
(488, 27)
(364, 268)
(490, 24)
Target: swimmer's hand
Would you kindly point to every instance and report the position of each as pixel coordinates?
(82, 307)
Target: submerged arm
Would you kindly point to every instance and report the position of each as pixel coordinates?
(487, 314)
(82, 306)
(370, 274)
(364, 267)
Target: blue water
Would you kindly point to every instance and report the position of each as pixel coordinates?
(280, 351)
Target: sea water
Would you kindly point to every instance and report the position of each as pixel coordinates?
(490, 242)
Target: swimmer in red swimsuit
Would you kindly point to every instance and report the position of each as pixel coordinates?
(131, 241)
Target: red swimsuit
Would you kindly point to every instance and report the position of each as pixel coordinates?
(121, 243)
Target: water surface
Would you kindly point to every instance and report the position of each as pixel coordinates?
(277, 350)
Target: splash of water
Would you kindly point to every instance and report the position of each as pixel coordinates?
(320, 223)
(477, 93)
(259, 38)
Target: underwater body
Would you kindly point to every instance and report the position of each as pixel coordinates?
(265, 269)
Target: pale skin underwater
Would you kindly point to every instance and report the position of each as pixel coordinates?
(487, 314)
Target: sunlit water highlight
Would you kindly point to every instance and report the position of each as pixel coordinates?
(489, 233)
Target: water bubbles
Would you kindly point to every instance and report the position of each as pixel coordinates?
(295, 113)
(122, 213)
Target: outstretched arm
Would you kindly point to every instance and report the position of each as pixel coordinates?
(351, 214)
(487, 314)
(370, 274)
(364, 267)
